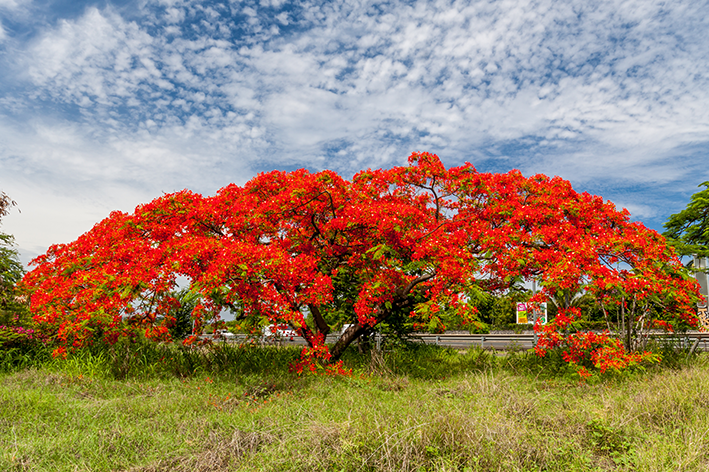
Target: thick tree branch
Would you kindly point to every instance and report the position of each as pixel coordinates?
(320, 322)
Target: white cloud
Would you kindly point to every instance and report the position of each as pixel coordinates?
(589, 91)
(99, 57)
(10, 9)
(13, 4)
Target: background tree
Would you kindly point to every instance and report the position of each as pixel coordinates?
(181, 327)
(11, 271)
(688, 230)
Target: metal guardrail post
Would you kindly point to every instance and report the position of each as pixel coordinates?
(482, 342)
(694, 347)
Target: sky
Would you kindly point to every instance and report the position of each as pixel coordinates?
(105, 105)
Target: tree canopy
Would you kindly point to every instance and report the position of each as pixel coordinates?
(312, 250)
(688, 230)
(11, 270)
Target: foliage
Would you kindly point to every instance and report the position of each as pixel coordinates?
(181, 327)
(314, 251)
(499, 310)
(12, 308)
(14, 336)
(688, 230)
(22, 348)
(5, 204)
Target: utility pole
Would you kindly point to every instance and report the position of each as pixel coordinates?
(534, 312)
(700, 264)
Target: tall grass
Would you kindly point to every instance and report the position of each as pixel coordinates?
(149, 407)
(145, 359)
(481, 419)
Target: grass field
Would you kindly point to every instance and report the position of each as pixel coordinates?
(436, 410)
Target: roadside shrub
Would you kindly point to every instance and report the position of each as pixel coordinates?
(22, 347)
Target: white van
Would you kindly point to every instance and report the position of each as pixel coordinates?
(278, 332)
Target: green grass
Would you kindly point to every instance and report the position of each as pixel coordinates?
(429, 409)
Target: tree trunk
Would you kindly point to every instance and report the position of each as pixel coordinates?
(350, 334)
(356, 330)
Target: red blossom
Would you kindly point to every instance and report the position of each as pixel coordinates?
(294, 245)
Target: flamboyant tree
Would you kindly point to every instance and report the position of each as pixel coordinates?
(308, 250)
(688, 232)
(574, 244)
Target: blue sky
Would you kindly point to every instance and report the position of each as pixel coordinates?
(108, 104)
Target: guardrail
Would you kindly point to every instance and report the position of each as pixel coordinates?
(691, 340)
(483, 341)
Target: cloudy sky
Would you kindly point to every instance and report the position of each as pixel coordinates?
(107, 104)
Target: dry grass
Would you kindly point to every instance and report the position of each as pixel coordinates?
(218, 453)
(380, 421)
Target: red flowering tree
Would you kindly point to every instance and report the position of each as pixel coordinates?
(306, 249)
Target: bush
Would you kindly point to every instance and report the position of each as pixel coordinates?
(22, 348)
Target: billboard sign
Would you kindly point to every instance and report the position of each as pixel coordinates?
(526, 315)
(703, 315)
